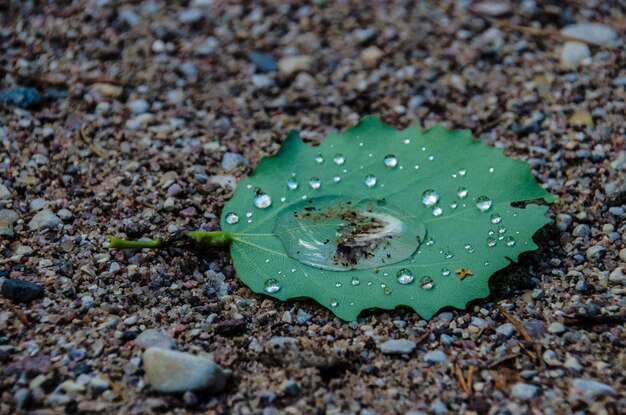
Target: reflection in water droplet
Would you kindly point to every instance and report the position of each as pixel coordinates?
(336, 179)
(262, 201)
(501, 229)
(292, 184)
(333, 303)
(405, 276)
(390, 160)
(355, 281)
(483, 203)
(272, 286)
(453, 205)
(491, 242)
(469, 248)
(490, 169)
(431, 158)
(462, 192)
(338, 284)
(339, 159)
(437, 211)
(426, 282)
(315, 183)
(282, 199)
(495, 218)
(430, 197)
(370, 180)
(445, 272)
(430, 242)
(462, 172)
(510, 241)
(319, 158)
(232, 218)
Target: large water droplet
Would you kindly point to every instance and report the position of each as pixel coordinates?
(405, 276)
(491, 242)
(495, 218)
(483, 203)
(292, 184)
(370, 180)
(445, 272)
(334, 303)
(462, 192)
(339, 159)
(430, 197)
(426, 283)
(501, 229)
(319, 159)
(431, 158)
(315, 183)
(231, 218)
(437, 211)
(390, 161)
(510, 241)
(355, 281)
(272, 286)
(262, 201)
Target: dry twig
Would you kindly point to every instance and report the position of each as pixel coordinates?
(17, 312)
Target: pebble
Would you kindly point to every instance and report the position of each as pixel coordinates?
(398, 346)
(171, 371)
(563, 221)
(618, 275)
(573, 54)
(45, 219)
(155, 338)
(291, 65)
(190, 16)
(556, 328)
(207, 47)
(572, 363)
(264, 61)
(581, 230)
(589, 390)
(371, 55)
(535, 328)
(21, 96)
(524, 391)
(581, 286)
(290, 387)
(507, 329)
(491, 8)
(622, 254)
(98, 385)
(188, 69)
(537, 294)
(230, 161)
(65, 214)
(597, 33)
(596, 253)
(4, 192)
(138, 106)
(20, 291)
(446, 316)
(22, 397)
(303, 317)
(435, 356)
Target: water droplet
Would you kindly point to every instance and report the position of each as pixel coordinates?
(338, 284)
(336, 179)
(333, 303)
(248, 214)
(426, 282)
(361, 144)
(510, 241)
(453, 205)
(405, 276)
(292, 184)
(430, 197)
(462, 192)
(386, 291)
(315, 183)
(416, 167)
(390, 161)
(319, 159)
(407, 141)
(486, 263)
(445, 272)
(282, 199)
(491, 242)
(491, 170)
(272, 286)
(248, 186)
(385, 274)
(437, 211)
(431, 157)
(262, 201)
(495, 218)
(462, 172)
(430, 242)
(370, 180)
(491, 232)
(232, 218)
(469, 248)
(293, 270)
(423, 148)
(483, 203)
(501, 229)
(449, 254)
(355, 281)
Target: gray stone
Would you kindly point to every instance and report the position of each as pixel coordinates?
(37, 204)
(524, 391)
(438, 407)
(231, 161)
(207, 47)
(597, 33)
(573, 54)
(581, 230)
(190, 16)
(303, 317)
(398, 346)
(491, 8)
(98, 385)
(589, 390)
(8, 216)
(188, 69)
(506, 330)
(537, 294)
(155, 338)
(581, 286)
(45, 219)
(622, 254)
(446, 316)
(20, 291)
(572, 363)
(563, 221)
(65, 214)
(174, 372)
(4, 192)
(290, 387)
(436, 356)
(291, 65)
(556, 328)
(596, 253)
(138, 106)
(535, 328)
(618, 275)
(21, 397)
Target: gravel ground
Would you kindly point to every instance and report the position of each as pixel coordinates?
(144, 116)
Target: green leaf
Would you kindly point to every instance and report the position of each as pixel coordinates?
(379, 218)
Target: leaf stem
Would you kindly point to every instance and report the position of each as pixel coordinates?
(117, 243)
(200, 240)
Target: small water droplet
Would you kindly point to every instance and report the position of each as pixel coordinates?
(370, 180)
(292, 184)
(510, 241)
(386, 291)
(355, 281)
(336, 179)
(416, 167)
(272, 286)
(405, 276)
(361, 144)
(262, 201)
(486, 263)
(430, 197)
(491, 242)
(293, 270)
(282, 199)
(469, 248)
(334, 303)
(385, 274)
(248, 214)
(423, 148)
(390, 161)
(483, 203)
(338, 284)
(449, 254)
(445, 272)
(267, 261)
(407, 141)
(319, 159)
(431, 157)
(248, 186)
(491, 232)
(339, 159)
(495, 218)
(426, 283)
(501, 229)
(430, 242)
(462, 172)
(437, 211)
(462, 192)
(315, 183)
(453, 205)
(491, 169)
(232, 218)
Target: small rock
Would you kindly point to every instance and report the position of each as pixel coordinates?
(436, 356)
(537, 294)
(563, 221)
(20, 291)
(303, 317)
(4, 192)
(21, 96)
(190, 399)
(59, 399)
(65, 214)
(581, 230)
(618, 275)
(398, 346)
(597, 33)
(589, 390)
(155, 338)
(190, 16)
(264, 61)
(286, 318)
(45, 219)
(438, 407)
(98, 385)
(581, 286)
(524, 391)
(188, 69)
(21, 397)
(172, 371)
(596, 253)
(371, 55)
(262, 81)
(581, 118)
(138, 106)
(535, 328)
(291, 65)
(573, 54)
(491, 8)
(108, 90)
(207, 47)
(506, 330)
(622, 254)
(290, 387)
(572, 363)
(231, 161)
(446, 316)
